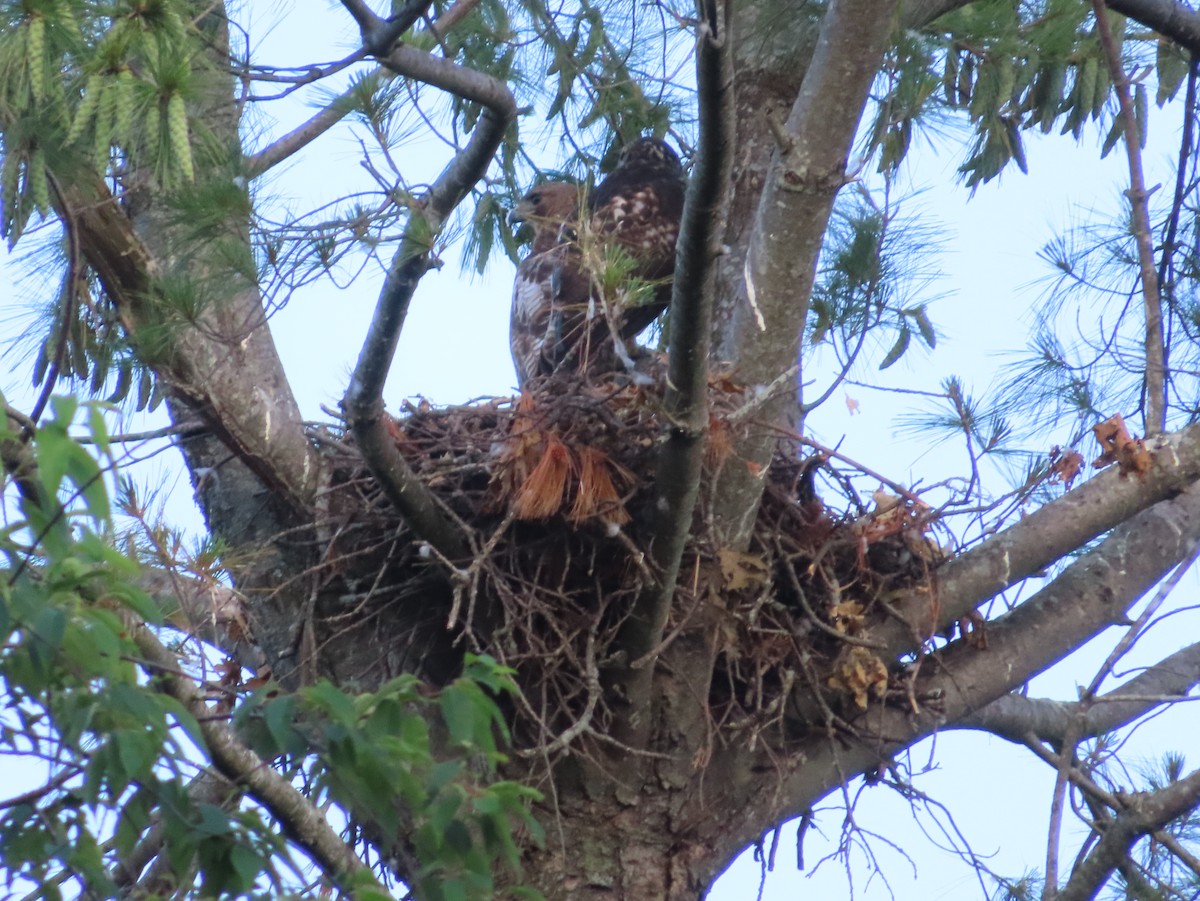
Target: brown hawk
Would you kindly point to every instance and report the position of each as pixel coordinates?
(549, 209)
(561, 314)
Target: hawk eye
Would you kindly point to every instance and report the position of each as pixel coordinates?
(534, 197)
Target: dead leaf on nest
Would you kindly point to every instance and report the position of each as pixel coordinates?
(1065, 466)
(847, 617)
(1118, 446)
(742, 570)
(860, 674)
(395, 430)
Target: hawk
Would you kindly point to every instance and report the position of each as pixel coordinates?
(550, 209)
(560, 314)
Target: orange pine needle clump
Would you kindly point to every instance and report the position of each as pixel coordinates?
(597, 494)
(542, 494)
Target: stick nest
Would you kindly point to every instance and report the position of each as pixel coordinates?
(557, 488)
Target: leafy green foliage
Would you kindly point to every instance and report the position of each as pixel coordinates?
(119, 760)
(377, 757)
(872, 269)
(1012, 67)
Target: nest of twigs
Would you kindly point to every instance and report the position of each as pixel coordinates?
(557, 488)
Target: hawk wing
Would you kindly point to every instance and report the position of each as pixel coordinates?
(551, 311)
(639, 206)
(536, 318)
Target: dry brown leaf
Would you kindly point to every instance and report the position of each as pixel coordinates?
(847, 617)
(741, 570)
(1065, 466)
(860, 674)
(1120, 447)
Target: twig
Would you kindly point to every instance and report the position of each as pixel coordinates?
(685, 407)
(1156, 375)
(363, 403)
(1166, 265)
(297, 139)
(1135, 631)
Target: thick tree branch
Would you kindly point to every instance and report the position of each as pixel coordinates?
(1092, 594)
(1015, 716)
(685, 407)
(224, 367)
(1175, 21)
(207, 610)
(363, 403)
(1155, 376)
(1039, 539)
(302, 822)
(806, 173)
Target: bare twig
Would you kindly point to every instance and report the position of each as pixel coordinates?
(685, 405)
(1155, 378)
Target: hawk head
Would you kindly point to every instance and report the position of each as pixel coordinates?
(552, 201)
(650, 154)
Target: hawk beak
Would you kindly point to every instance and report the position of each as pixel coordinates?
(515, 216)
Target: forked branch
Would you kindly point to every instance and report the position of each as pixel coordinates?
(806, 173)
(1144, 814)
(1039, 539)
(363, 403)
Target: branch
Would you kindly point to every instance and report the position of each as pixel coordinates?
(685, 406)
(207, 788)
(1155, 377)
(1014, 717)
(207, 610)
(1092, 594)
(224, 367)
(363, 403)
(282, 148)
(806, 173)
(379, 34)
(299, 138)
(1145, 812)
(1098, 799)
(1170, 19)
(1039, 539)
(1175, 21)
(236, 762)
